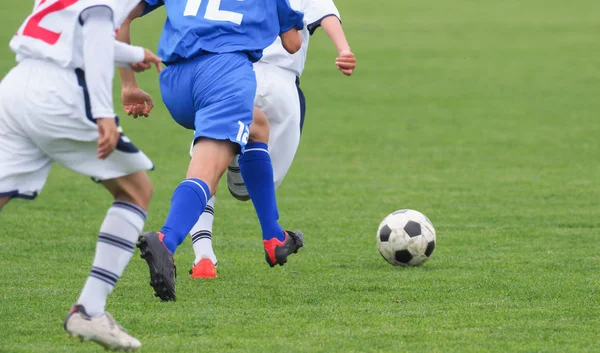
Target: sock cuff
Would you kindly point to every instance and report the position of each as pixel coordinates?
(256, 147)
(203, 234)
(210, 210)
(199, 187)
(256, 151)
(129, 206)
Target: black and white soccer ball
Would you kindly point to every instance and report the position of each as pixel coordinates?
(406, 238)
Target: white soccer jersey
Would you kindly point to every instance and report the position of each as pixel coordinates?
(314, 12)
(53, 31)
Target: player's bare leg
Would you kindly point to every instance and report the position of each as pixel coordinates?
(123, 223)
(135, 188)
(259, 130)
(205, 262)
(209, 160)
(3, 201)
(278, 243)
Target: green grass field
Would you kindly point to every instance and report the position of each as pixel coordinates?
(482, 115)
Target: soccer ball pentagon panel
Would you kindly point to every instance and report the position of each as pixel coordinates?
(406, 238)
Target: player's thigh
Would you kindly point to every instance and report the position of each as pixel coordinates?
(135, 188)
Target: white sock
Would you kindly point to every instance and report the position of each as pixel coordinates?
(116, 243)
(201, 234)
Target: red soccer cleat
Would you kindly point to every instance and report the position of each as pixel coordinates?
(277, 251)
(204, 269)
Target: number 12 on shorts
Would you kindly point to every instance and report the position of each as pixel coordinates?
(243, 133)
(213, 11)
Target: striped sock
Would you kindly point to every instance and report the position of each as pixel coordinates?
(202, 234)
(123, 224)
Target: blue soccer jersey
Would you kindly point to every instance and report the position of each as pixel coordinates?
(196, 27)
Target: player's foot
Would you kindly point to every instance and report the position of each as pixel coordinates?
(235, 183)
(277, 251)
(161, 264)
(103, 330)
(204, 269)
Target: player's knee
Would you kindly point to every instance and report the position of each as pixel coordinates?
(209, 176)
(259, 129)
(135, 188)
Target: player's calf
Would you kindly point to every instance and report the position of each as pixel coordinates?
(135, 188)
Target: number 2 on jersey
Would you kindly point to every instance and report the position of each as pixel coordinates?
(213, 12)
(34, 30)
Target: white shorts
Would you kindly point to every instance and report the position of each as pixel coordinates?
(45, 118)
(279, 96)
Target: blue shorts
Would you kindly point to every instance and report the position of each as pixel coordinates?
(212, 94)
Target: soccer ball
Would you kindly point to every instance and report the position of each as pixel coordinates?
(406, 238)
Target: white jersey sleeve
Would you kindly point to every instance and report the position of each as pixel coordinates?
(317, 10)
(97, 31)
(53, 31)
(314, 12)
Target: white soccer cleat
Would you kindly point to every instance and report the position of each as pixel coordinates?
(235, 183)
(103, 330)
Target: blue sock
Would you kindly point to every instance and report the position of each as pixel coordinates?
(257, 172)
(188, 203)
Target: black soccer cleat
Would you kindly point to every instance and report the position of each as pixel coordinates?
(277, 251)
(160, 263)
